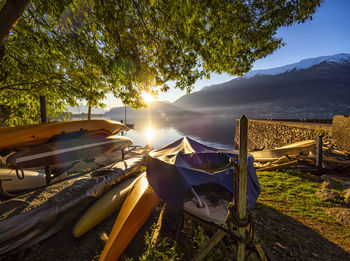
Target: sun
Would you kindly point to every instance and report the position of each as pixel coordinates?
(147, 97)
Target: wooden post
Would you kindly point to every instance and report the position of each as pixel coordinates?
(242, 197)
(319, 151)
(43, 109)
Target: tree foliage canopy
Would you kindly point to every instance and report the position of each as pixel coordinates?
(82, 49)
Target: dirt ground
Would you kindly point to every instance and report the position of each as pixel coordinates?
(284, 237)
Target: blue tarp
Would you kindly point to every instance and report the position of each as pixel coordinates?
(171, 172)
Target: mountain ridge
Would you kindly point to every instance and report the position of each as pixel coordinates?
(318, 91)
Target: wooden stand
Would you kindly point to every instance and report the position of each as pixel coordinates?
(241, 203)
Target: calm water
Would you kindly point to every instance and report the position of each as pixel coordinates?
(212, 131)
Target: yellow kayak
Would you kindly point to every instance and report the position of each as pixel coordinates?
(103, 207)
(301, 147)
(134, 213)
(28, 135)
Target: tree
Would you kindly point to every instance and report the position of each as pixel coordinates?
(83, 49)
(10, 13)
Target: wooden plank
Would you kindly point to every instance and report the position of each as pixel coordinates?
(242, 198)
(260, 252)
(209, 245)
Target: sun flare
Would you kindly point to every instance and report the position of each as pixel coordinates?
(149, 133)
(147, 97)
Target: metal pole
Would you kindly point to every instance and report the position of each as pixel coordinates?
(48, 175)
(125, 114)
(43, 109)
(242, 197)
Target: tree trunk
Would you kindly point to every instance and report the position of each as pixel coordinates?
(43, 109)
(9, 16)
(89, 113)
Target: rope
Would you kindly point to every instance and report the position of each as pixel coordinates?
(18, 174)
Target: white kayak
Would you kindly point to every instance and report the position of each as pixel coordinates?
(31, 180)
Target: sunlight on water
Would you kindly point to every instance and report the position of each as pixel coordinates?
(149, 133)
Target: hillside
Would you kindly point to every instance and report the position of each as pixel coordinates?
(318, 91)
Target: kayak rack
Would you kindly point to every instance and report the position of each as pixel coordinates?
(132, 148)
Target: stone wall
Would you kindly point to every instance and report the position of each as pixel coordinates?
(341, 132)
(268, 134)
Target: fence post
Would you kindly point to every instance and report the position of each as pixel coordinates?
(319, 151)
(242, 198)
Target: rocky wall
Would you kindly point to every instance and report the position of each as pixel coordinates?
(268, 134)
(341, 132)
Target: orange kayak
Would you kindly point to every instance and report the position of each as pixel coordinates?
(135, 211)
(34, 134)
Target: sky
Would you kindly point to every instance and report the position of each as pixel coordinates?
(327, 33)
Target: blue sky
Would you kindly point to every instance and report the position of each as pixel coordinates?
(327, 33)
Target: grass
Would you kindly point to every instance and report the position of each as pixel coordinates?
(287, 202)
(293, 193)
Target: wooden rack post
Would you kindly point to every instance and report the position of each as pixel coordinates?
(242, 197)
(319, 151)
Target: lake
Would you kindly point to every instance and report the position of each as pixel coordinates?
(217, 131)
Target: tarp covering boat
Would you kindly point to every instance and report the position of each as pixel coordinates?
(175, 168)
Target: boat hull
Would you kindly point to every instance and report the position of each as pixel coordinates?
(29, 135)
(103, 207)
(134, 213)
(55, 153)
(303, 147)
(31, 180)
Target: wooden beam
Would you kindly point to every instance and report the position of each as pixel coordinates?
(209, 245)
(242, 197)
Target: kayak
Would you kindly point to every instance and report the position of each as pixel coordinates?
(301, 147)
(31, 180)
(103, 207)
(29, 135)
(134, 213)
(61, 151)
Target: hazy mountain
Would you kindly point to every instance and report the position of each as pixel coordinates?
(84, 109)
(156, 109)
(318, 91)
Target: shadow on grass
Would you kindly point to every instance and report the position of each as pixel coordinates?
(289, 239)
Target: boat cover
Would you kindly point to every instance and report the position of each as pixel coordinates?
(30, 218)
(173, 170)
